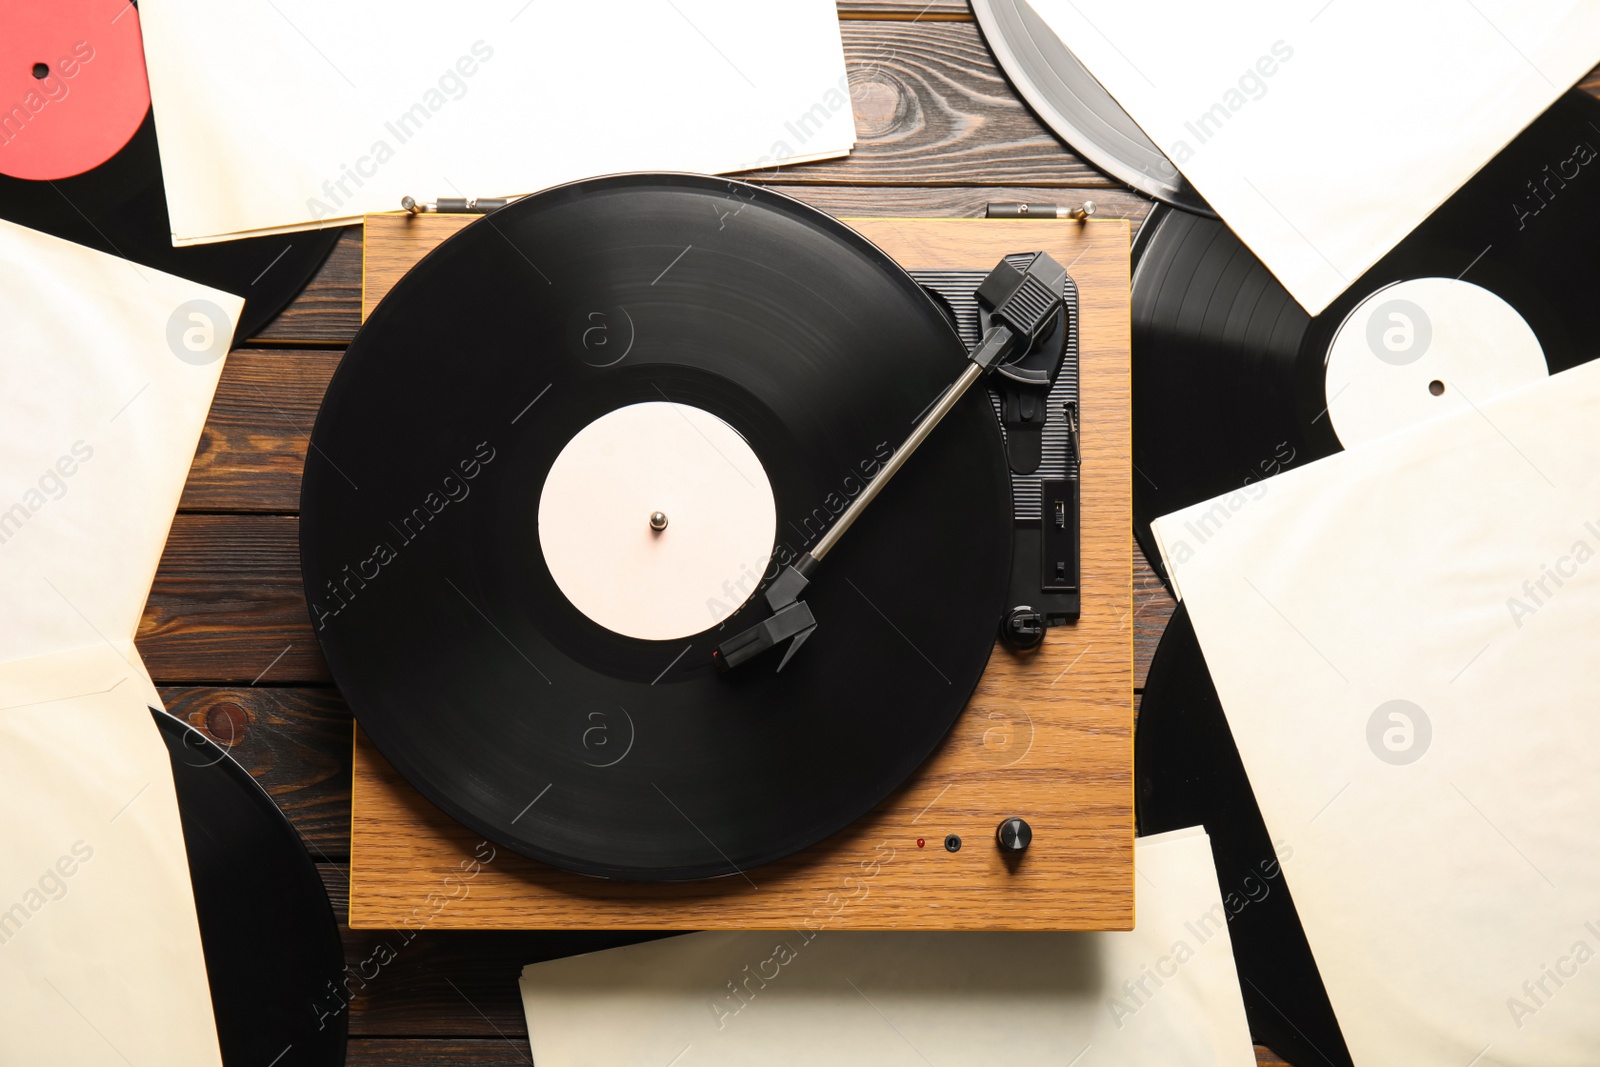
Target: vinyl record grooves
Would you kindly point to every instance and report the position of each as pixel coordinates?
(1069, 100)
(1229, 372)
(118, 206)
(272, 949)
(1187, 772)
(426, 570)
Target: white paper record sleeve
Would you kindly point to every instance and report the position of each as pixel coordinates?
(100, 956)
(1402, 637)
(1323, 133)
(1164, 994)
(107, 370)
(300, 114)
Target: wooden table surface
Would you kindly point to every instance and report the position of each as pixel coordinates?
(226, 634)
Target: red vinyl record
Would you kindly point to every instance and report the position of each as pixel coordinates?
(72, 85)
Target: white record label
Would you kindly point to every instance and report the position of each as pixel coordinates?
(1421, 348)
(648, 465)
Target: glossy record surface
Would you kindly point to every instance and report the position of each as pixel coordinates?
(272, 947)
(1229, 371)
(1074, 104)
(508, 708)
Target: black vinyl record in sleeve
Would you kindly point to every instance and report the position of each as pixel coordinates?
(273, 955)
(1229, 372)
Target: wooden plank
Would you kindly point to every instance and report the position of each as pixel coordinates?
(325, 309)
(932, 108)
(908, 10)
(419, 979)
(1152, 607)
(395, 243)
(437, 1052)
(253, 448)
(294, 741)
(1080, 734)
(227, 607)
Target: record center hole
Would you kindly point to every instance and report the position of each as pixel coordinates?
(1436, 387)
(41, 71)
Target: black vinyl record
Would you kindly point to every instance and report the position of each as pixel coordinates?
(1187, 772)
(120, 208)
(272, 949)
(1069, 100)
(1229, 371)
(480, 681)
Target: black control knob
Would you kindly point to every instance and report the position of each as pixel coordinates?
(1023, 629)
(1014, 835)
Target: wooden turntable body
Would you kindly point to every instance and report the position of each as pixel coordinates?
(1047, 736)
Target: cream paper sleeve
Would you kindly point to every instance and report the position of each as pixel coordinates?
(1403, 639)
(1324, 132)
(1164, 995)
(107, 370)
(297, 113)
(100, 956)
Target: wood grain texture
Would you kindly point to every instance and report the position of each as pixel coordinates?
(1048, 735)
(295, 742)
(396, 242)
(933, 108)
(908, 10)
(227, 607)
(325, 309)
(419, 979)
(1152, 607)
(438, 1052)
(253, 448)
(455, 993)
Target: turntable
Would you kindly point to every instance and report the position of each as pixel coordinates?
(568, 466)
